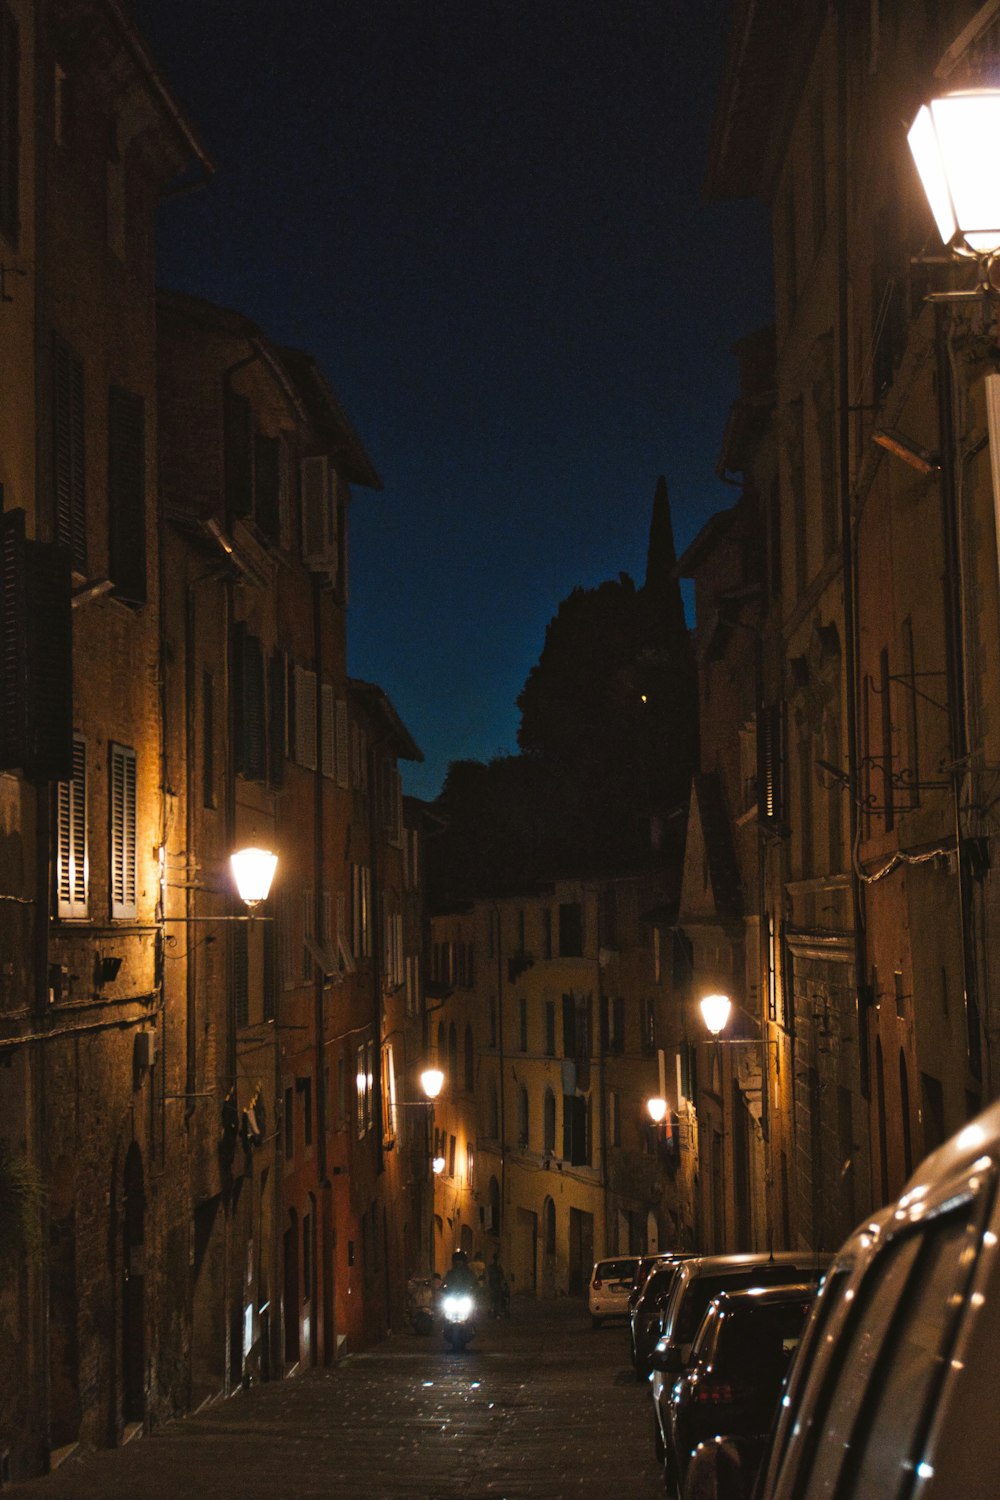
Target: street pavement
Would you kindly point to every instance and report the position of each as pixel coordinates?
(539, 1405)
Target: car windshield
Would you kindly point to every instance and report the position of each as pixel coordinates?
(701, 1289)
(614, 1270)
(658, 1282)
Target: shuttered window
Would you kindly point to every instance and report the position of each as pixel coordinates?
(68, 470)
(241, 974)
(127, 495)
(123, 847)
(249, 726)
(71, 838)
(36, 655)
(9, 132)
(305, 718)
(770, 789)
(267, 485)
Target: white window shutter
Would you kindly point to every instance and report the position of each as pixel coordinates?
(122, 832)
(327, 736)
(343, 745)
(305, 718)
(71, 838)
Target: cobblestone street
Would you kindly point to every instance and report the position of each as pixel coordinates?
(542, 1405)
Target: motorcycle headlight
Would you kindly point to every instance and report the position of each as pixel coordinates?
(457, 1309)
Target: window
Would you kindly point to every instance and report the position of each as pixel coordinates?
(648, 1022)
(549, 1122)
(127, 495)
(249, 725)
(546, 932)
(241, 974)
(122, 832)
(361, 1085)
(614, 1118)
(470, 1062)
(361, 897)
(451, 1156)
(576, 1146)
(550, 1028)
(36, 654)
(523, 1117)
(342, 744)
(470, 1165)
(9, 125)
(71, 838)
(576, 1026)
(617, 1038)
(770, 791)
(304, 1087)
(68, 469)
(327, 747)
(571, 930)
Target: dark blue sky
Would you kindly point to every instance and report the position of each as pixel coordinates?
(485, 219)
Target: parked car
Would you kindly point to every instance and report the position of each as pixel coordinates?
(894, 1390)
(642, 1270)
(697, 1281)
(610, 1285)
(738, 1365)
(645, 1315)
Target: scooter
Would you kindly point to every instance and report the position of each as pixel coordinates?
(457, 1309)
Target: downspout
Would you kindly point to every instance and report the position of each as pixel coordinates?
(503, 1077)
(862, 987)
(324, 1187)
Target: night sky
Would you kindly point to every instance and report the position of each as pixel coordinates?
(485, 220)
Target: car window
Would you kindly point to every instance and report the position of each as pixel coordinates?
(760, 1338)
(828, 1300)
(615, 1270)
(701, 1289)
(857, 1351)
(881, 1453)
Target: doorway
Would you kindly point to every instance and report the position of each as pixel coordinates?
(134, 1290)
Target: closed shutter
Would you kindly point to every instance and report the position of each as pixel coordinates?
(277, 719)
(36, 655)
(127, 495)
(68, 467)
(241, 974)
(343, 736)
(71, 839)
(770, 790)
(328, 758)
(123, 846)
(305, 718)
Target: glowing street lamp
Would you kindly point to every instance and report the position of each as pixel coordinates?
(253, 871)
(657, 1110)
(432, 1082)
(437, 1165)
(715, 1011)
(955, 141)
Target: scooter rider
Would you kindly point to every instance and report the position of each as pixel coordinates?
(461, 1277)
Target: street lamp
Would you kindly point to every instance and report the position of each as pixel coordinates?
(715, 1011)
(656, 1108)
(955, 141)
(253, 871)
(432, 1082)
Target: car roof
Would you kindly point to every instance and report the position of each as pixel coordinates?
(763, 1296)
(712, 1265)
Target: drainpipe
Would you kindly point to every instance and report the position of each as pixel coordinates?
(321, 1272)
(503, 1082)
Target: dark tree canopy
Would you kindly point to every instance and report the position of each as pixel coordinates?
(608, 740)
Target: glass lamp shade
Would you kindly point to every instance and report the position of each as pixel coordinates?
(657, 1110)
(715, 1012)
(432, 1082)
(955, 141)
(253, 871)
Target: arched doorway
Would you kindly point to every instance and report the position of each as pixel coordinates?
(134, 1289)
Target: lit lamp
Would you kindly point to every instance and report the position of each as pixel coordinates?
(715, 1012)
(253, 871)
(955, 141)
(657, 1110)
(437, 1165)
(432, 1082)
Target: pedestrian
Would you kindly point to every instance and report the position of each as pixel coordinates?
(478, 1267)
(496, 1282)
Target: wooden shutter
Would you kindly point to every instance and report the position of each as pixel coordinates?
(343, 738)
(36, 655)
(277, 718)
(123, 845)
(770, 791)
(68, 466)
(241, 974)
(127, 495)
(10, 137)
(71, 839)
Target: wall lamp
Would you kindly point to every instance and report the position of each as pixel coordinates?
(253, 870)
(955, 143)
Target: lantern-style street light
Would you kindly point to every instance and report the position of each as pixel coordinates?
(253, 871)
(432, 1082)
(955, 141)
(656, 1108)
(715, 1011)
